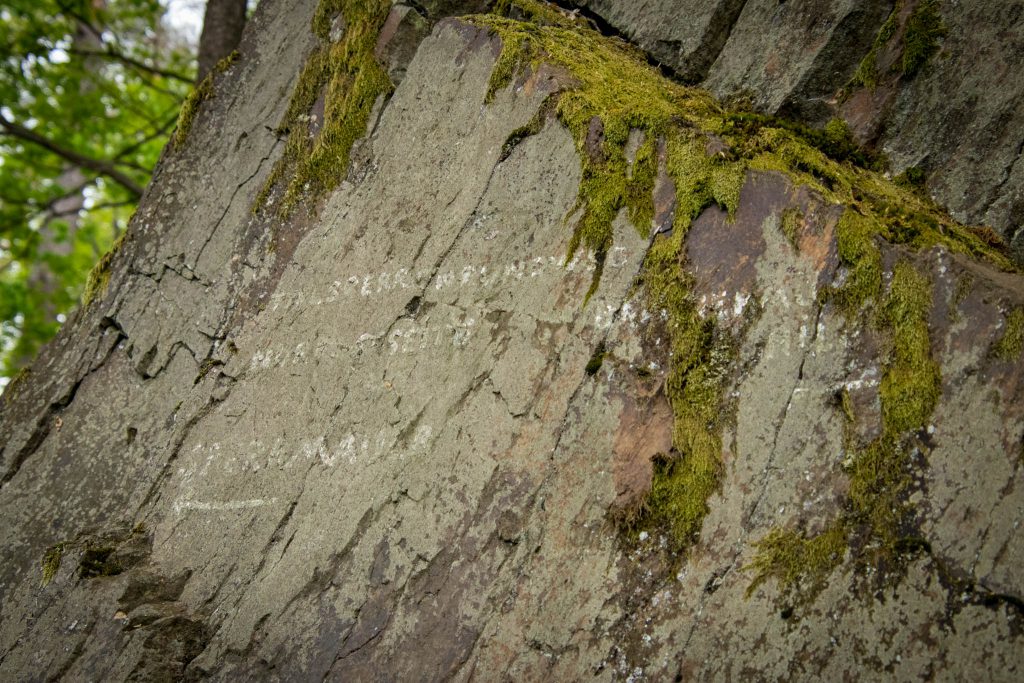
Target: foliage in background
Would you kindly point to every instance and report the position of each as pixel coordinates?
(89, 93)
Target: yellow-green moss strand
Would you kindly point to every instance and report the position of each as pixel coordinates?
(790, 223)
(867, 72)
(349, 78)
(99, 277)
(51, 563)
(911, 384)
(799, 564)
(1011, 345)
(700, 356)
(863, 261)
(200, 93)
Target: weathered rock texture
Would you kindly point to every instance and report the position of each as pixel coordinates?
(958, 118)
(379, 440)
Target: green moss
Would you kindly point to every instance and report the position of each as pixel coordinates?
(16, 383)
(348, 77)
(921, 39)
(855, 235)
(790, 224)
(596, 360)
(846, 403)
(700, 357)
(876, 518)
(913, 178)
(51, 563)
(532, 127)
(835, 140)
(919, 42)
(99, 276)
(616, 93)
(1011, 344)
(801, 565)
(867, 72)
(533, 12)
(201, 93)
(911, 383)
(613, 92)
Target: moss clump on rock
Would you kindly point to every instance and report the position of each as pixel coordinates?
(798, 561)
(343, 71)
(792, 219)
(919, 42)
(51, 563)
(701, 354)
(1011, 345)
(613, 94)
(99, 277)
(911, 383)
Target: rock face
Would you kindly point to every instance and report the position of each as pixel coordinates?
(398, 435)
(956, 117)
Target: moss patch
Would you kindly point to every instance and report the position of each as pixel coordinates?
(912, 178)
(596, 360)
(615, 93)
(911, 383)
(15, 385)
(919, 41)
(790, 223)
(201, 93)
(700, 357)
(877, 521)
(1011, 345)
(99, 276)
(347, 75)
(51, 563)
(867, 71)
(855, 235)
(800, 564)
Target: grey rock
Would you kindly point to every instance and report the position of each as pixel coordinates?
(376, 451)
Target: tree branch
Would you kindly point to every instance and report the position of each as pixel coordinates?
(94, 207)
(88, 163)
(157, 132)
(112, 54)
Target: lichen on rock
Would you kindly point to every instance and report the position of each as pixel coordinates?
(1011, 344)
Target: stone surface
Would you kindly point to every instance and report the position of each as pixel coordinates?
(368, 442)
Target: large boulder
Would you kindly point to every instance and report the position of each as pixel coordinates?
(554, 382)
